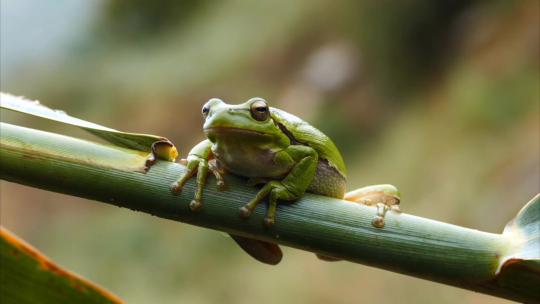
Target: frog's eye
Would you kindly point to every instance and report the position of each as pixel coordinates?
(209, 104)
(259, 110)
(205, 110)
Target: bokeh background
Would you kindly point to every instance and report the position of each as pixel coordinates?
(440, 98)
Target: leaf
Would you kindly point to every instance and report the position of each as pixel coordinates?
(520, 267)
(28, 276)
(142, 142)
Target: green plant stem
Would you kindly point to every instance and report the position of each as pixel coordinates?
(408, 244)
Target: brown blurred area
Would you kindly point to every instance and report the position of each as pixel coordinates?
(440, 98)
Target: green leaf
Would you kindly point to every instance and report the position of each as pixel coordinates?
(27, 276)
(141, 142)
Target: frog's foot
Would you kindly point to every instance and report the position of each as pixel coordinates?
(218, 171)
(201, 166)
(162, 149)
(191, 169)
(275, 191)
(384, 197)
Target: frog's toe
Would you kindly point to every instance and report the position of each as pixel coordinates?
(195, 205)
(395, 208)
(269, 221)
(175, 188)
(378, 222)
(244, 212)
(221, 185)
(218, 171)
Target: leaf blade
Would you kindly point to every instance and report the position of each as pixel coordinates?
(30, 277)
(137, 141)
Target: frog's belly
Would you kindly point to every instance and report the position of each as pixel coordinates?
(251, 162)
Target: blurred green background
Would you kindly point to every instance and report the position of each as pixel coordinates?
(440, 98)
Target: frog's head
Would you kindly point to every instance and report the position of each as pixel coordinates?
(251, 118)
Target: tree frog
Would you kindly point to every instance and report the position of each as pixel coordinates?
(270, 146)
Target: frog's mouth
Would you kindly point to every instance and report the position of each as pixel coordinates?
(233, 131)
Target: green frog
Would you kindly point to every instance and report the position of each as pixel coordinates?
(272, 147)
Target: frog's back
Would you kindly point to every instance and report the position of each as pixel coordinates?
(330, 178)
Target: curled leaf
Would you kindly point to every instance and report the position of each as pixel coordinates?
(519, 269)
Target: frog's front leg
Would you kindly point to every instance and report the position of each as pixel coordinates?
(304, 160)
(198, 162)
(384, 197)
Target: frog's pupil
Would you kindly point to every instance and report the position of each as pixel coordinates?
(261, 109)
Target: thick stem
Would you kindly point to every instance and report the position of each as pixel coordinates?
(407, 244)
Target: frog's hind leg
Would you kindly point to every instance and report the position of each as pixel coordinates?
(385, 197)
(289, 188)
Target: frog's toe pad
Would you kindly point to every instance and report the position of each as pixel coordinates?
(221, 185)
(378, 222)
(195, 205)
(175, 188)
(244, 212)
(269, 222)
